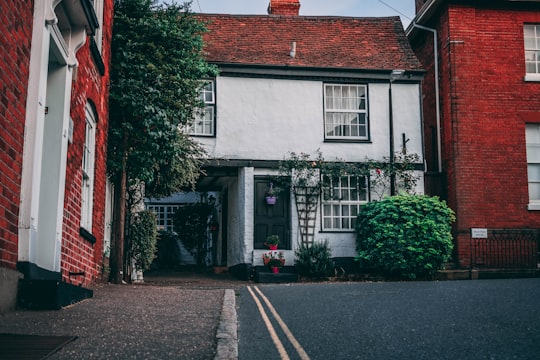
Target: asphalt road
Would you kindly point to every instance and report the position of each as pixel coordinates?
(479, 319)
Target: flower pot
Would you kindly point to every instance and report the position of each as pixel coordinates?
(275, 269)
(272, 247)
(271, 200)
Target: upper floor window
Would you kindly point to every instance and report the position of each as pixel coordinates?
(204, 119)
(533, 164)
(341, 201)
(88, 170)
(531, 34)
(345, 112)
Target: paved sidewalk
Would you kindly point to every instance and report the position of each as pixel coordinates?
(170, 316)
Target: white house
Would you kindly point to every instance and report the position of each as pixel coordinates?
(290, 83)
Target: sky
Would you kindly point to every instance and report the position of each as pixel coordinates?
(356, 8)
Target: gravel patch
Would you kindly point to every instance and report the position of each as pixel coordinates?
(130, 322)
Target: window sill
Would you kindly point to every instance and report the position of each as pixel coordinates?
(96, 55)
(348, 141)
(336, 231)
(87, 235)
(203, 135)
(535, 206)
(532, 77)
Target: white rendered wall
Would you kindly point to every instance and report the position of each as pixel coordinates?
(264, 119)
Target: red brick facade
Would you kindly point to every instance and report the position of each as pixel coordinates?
(485, 104)
(79, 255)
(16, 17)
(90, 84)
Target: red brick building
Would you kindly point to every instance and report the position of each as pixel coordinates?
(482, 123)
(53, 116)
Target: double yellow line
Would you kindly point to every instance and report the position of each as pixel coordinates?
(279, 345)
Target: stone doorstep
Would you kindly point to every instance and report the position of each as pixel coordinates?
(50, 294)
(287, 274)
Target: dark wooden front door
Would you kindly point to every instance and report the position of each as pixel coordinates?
(271, 219)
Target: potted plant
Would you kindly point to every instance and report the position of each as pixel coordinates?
(274, 260)
(271, 194)
(272, 242)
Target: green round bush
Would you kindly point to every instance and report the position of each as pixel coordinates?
(405, 235)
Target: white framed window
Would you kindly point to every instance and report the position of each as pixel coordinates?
(533, 164)
(164, 215)
(98, 37)
(88, 170)
(341, 201)
(203, 121)
(531, 37)
(345, 112)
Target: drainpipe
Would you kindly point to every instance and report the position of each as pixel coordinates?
(437, 97)
(394, 75)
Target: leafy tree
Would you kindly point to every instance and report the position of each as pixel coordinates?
(156, 68)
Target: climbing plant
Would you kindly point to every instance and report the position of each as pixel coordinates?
(142, 239)
(401, 169)
(307, 177)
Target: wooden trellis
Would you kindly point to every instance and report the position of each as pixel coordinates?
(307, 199)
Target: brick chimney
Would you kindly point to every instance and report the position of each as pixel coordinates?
(284, 7)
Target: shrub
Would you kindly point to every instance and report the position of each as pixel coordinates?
(191, 223)
(143, 239)
(405, 235)
(314, 260)
(168, 252)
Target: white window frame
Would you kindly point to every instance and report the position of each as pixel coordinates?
(88, 161)
(164, 215)
(531, 40)
(204, 119)
(341, 111)
(339, 195)
(98, 37)
(533, 164)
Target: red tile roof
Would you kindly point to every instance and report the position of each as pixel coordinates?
(321, 42)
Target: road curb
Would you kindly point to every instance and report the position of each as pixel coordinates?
(227, 333)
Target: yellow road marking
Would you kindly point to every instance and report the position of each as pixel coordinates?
(271, 330)
(299, 349)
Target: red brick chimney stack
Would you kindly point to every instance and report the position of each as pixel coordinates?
(284, 7)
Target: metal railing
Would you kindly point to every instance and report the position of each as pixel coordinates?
(507, 249)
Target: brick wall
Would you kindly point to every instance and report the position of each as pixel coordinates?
(284, 7)
(78, 254)
(16, 18)
(485, 106)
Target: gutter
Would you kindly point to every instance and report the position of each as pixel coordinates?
(425, 12)
(437, 95)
